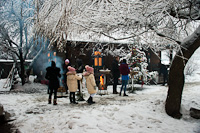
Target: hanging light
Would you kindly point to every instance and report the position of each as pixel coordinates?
(97, 58)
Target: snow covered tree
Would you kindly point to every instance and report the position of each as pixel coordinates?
(16, 36)
(159, 24)
(138, 63)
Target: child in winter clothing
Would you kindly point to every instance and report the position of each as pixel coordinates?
(90, 83)
(72, 84)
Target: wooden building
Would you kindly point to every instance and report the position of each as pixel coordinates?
(91, 53)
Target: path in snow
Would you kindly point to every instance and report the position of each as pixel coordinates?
(140, 113)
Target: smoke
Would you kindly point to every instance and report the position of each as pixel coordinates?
(59, 63)
(44, 61)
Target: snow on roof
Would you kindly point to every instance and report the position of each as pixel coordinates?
(3, 60)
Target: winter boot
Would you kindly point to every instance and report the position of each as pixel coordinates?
(70, 99)
(49, 101)
(125, 95)
(74, 99)
(92, 100)
(89, 100)
(75, 102)
(54, 102)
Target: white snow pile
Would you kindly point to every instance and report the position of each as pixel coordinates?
(192, 69)
(141, 112)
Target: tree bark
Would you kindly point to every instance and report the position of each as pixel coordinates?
(22, 74)
(176, 84)
(176, 74)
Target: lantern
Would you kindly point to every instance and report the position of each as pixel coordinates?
(97, 59)
(48, 57)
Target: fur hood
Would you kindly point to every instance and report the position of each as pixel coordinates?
(72, 81)
(86, 74)
(71, 73)
(90, 82)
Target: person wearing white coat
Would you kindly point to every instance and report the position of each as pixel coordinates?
(90, 83)
(72, 83)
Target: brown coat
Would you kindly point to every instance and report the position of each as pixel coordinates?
(72, 81)
(90, 83)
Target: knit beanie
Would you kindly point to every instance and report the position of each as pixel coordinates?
(89, 69)
(67, 61)
(71, 69)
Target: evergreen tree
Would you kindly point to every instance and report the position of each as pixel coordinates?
(138, 66)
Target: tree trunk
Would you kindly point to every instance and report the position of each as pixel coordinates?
(22, 74)
(176, 75)
(176, 84)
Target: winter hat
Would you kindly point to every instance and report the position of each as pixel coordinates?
(67, 61)
(89, 69)
(71, 69)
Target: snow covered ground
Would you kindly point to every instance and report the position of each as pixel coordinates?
(141, 112)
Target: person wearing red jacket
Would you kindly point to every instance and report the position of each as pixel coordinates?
(124, 71)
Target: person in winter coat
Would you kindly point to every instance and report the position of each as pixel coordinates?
(90, 83)
(164, 71)
(124, 71)
(53, 74)
(66, 64)
(72, 83)
(116, 74)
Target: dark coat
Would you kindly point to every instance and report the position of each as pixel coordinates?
(53, 74)
(115, 69)
(163, 69)
(80, 67)
(124, 70)
(65, 68)
(65, 71)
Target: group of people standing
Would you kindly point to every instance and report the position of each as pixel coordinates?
(124, 70)
(72, 77)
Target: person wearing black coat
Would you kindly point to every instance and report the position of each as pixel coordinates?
(164, 71)
(79, 69)
(53, 74)
(116, 74)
